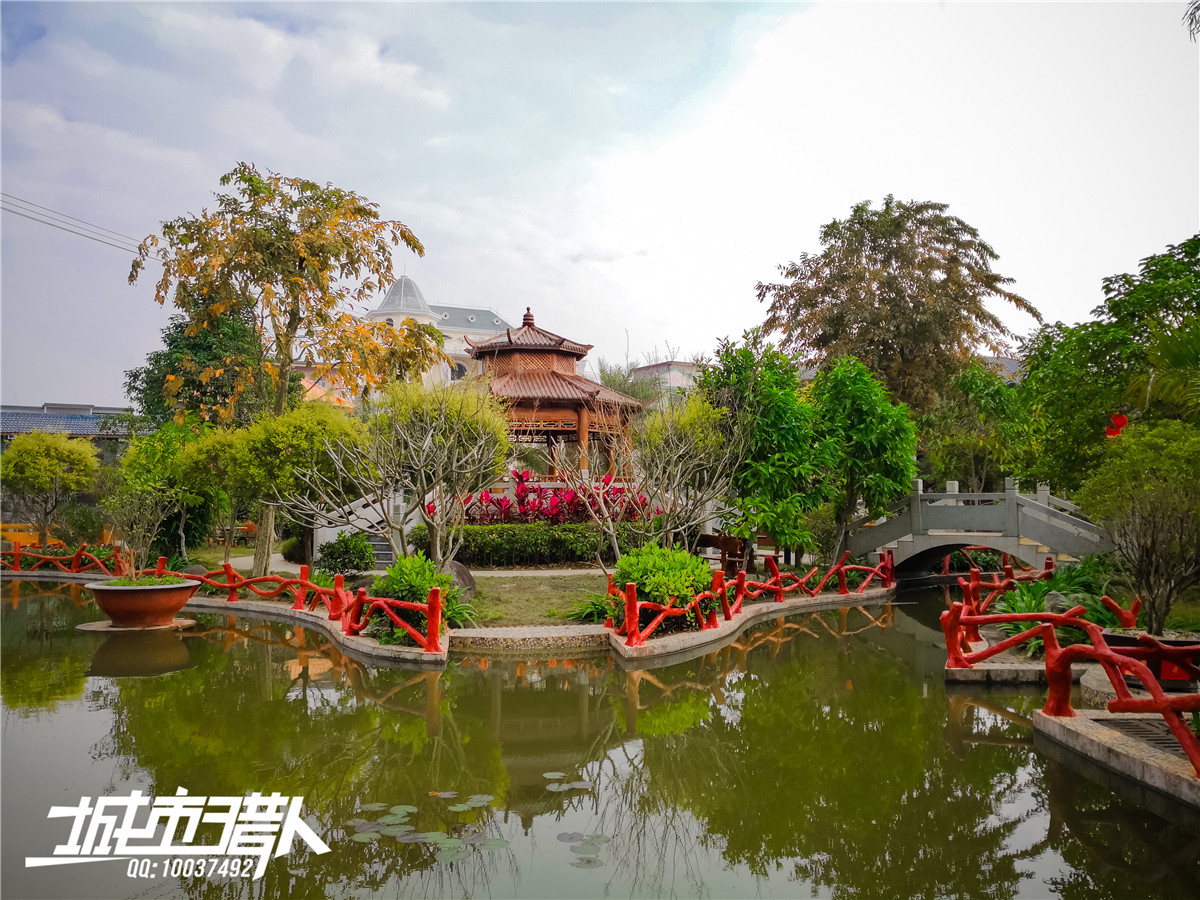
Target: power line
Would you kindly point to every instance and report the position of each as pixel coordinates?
(63, 215)
(64, 222)
(83, 234)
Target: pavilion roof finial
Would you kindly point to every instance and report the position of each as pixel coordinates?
(527, 319)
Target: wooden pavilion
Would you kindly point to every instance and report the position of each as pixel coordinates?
(536, 373)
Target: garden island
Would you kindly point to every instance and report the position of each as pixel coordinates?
(855, 603)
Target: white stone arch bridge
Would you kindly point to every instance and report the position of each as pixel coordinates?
(923, 528)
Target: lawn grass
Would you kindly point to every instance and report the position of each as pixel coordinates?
(532, 599)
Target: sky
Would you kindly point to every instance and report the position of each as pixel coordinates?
(628, 171)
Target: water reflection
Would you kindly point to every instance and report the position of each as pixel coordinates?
(815, 754)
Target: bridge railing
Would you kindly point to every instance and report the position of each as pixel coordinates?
(1040, 517)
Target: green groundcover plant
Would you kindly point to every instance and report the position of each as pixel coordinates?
(411, 578)
(1082, 584)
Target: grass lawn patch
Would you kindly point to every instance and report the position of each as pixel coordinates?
(532, 599)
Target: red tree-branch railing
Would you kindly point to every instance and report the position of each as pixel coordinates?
(83, 560)
(777, 585)
(958, 623)
(352, 611)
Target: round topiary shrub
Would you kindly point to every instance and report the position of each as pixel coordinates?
(348, 554)
(661, 574)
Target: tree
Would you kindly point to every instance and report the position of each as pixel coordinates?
(902, 288)
(781, 476)
(1191, 18)
(621, 378)
(212, 373)
(151, 464)
(41, 471)
(221, 462)
(1147, 494)
(1079, 376)
(965, 433)
(874, 442)
(429, 446)
(295, 256)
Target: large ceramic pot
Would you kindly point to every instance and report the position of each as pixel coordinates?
(1170, 676)
(142, 606)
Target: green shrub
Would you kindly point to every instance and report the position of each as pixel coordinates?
(78, 523)
(348, 554)
(985, 560)
(292, 549)
(661, 574)
(534, 544)
(1082, 584)
(411, 578)
(596, 608)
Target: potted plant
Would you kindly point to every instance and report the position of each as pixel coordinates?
(137, 509)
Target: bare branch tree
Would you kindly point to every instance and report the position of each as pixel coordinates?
(430, 446)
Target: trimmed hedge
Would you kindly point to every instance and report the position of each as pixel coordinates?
(533, 544)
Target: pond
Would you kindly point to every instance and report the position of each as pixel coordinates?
(819, 755)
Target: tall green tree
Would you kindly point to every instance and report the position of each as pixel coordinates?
(874, 443)
(782, 475)
(297, 257)
(214, 372)
(1080, 376)
(966, 434)
(902, 288)
(1147, 494)
(42, 471)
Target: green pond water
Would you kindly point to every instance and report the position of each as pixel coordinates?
(817, 756)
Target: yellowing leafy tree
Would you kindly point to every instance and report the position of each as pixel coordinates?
(298, 256)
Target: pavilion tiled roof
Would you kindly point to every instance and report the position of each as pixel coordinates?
(527, 337)
(558, 387)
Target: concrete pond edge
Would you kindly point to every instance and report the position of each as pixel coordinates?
(518, 639)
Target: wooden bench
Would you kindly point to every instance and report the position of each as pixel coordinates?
(733, 550)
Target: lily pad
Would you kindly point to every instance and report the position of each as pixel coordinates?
(581, 785)
(412, 838)
(393, 819)
(364, 827)
(598, 839)
(403, 810)
(493, 844)
(446, 795)
(373, 807)
(354, 823)
(557, 788)
(476, 804)
(586, 849)
(365, 837)
(460, 807)
(587, 862)
(472, 839)
(554, 775)
(435, 836)
(450, 842)
(452, 854)
(480, 798)
(570, 837)
(396, 830)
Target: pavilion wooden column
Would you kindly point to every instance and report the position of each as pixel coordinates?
(582, 433)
